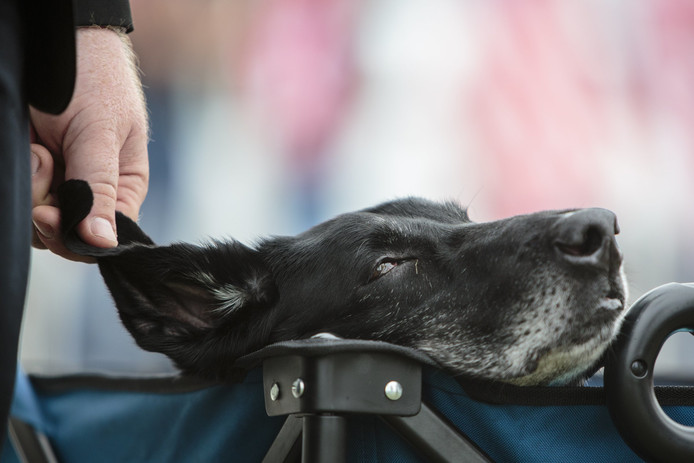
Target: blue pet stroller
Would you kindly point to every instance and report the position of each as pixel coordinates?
(325, 400)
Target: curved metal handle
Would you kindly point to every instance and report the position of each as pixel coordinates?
(635, 411)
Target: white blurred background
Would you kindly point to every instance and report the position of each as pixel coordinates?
(269, 116)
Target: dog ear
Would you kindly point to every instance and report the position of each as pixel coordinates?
(173, 299)
(76, 198)
(179, 300)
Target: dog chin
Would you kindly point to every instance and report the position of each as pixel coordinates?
(567, 365)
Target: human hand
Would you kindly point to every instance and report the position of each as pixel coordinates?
(101, 138)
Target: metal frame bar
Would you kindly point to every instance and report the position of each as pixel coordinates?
(435, 438)
(30, 445)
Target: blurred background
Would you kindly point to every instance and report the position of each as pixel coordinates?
(269, 116)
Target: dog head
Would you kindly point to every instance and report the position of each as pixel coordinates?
(532, 299)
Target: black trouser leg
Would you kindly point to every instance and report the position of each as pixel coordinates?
(15, 199)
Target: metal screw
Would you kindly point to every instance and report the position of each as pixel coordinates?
(639, 368)
(393, 390)
(275, 392)
(298, 388)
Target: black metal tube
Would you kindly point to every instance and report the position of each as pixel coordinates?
(285, 448)
(435, 438)
(324, 439)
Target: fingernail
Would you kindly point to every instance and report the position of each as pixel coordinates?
(102, 228)
(35, 163)
(45, 229)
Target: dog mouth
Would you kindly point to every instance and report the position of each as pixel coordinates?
(611, 304)
(615, 299)
(605, 312)
(559, 341)
(610, 308)
(575, 341)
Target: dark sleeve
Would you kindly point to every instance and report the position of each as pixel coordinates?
(50, 54)
(103, 13)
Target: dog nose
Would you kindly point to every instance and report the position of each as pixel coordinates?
(587, 237)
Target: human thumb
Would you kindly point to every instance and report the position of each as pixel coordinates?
(93, 157)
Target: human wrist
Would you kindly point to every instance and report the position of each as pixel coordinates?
(107, 51)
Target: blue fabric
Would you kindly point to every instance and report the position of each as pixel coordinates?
(8, 455)
(222, 423)
(26, 404)
(228, 423)
(516, 433)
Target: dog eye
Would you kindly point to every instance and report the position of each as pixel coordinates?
(383, 268)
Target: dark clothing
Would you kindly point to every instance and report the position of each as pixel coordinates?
(37, 66)
(15, 195)
(50, 53)
(103, 13)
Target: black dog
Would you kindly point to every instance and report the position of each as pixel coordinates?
(528, 300)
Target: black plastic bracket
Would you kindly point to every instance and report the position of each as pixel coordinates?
(342, 383)
(319, 385)
(631, 399)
